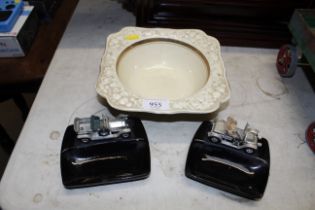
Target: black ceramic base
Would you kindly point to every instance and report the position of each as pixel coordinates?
(105, 161)
(227, 168)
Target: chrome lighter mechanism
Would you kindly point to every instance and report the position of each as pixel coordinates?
(96, 128)
(227, 133)
(98, 150)
(231, 159)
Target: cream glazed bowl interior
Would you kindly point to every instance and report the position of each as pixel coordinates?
(164, 71)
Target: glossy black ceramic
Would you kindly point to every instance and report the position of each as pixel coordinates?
(105, 161)
(228, 168)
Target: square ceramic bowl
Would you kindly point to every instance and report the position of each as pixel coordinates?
(164, 71)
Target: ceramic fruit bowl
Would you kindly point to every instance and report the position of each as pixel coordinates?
(165, 71)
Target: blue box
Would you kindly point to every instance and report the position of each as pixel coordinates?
(10, 10)
(18, 41)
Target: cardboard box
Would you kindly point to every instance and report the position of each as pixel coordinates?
(18, 41)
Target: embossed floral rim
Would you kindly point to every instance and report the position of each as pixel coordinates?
(208, 99)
